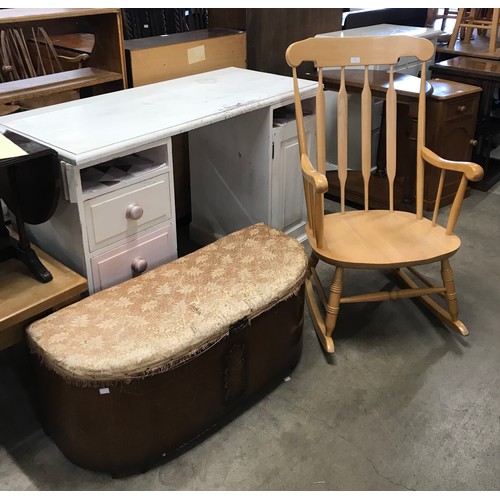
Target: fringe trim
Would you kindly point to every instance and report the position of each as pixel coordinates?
(171, 364)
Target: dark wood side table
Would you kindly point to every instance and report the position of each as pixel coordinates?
(483, 73)
(23, 299)
(450, 133)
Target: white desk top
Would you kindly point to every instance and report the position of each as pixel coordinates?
(97, 128)
(385, 30)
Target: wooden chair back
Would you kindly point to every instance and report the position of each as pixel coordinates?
(31, 54)
(359, 52)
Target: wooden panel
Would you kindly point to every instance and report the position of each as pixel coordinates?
(235, 19)
(53, 84)
(115, 266)
(165, 61)
(271, 31)
(180, 155)
(107, 215)
(108, 52)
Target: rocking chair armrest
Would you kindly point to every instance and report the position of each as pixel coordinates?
(315, 178)
(472, 171)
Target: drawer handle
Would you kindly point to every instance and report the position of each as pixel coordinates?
(134, 211)
(461, 109)
(473, 142)
(139, 265)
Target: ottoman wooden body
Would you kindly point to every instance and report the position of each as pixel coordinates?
(135, 372)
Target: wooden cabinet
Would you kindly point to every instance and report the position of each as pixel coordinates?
(451, 123)
(95, 33)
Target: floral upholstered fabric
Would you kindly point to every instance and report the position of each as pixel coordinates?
(160, 319)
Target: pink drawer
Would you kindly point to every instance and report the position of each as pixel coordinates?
(115, 266)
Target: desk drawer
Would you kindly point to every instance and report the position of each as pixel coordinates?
(117, 265)
(460, 108)
(119, 214)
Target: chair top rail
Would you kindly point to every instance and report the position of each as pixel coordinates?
(362, 50)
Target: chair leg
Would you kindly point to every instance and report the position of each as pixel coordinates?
(456, 29)
(323, 326)
(332, 309)
(451, 297)
(449, 284)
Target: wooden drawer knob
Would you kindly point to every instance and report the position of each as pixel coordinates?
(473, 142)
(462, 108)
(134, 212)
(139, 265)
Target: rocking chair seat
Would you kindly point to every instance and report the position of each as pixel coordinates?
(383, 239)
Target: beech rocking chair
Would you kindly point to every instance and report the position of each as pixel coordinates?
(373, 239)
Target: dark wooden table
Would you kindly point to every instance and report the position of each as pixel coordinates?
(484, 73)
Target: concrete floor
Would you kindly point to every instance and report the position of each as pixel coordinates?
(404, 404)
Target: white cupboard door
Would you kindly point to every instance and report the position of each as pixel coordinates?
(288, 210)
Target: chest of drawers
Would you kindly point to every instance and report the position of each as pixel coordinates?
(116, 219)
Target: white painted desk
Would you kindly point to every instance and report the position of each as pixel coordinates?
(109, 229)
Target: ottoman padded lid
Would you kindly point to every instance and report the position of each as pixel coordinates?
(156, 321)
